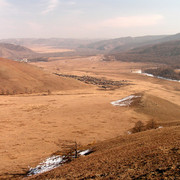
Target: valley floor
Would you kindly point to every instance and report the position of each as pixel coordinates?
(34, 126)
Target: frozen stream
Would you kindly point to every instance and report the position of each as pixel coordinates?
(151, 75)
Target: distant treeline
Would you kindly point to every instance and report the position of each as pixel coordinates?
(168, 73)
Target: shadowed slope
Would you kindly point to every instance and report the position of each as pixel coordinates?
(166, 53)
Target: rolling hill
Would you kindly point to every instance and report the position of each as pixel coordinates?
(166, 53)
(53, 42)
(122, 44)
(127, 43)
(86, 47)
(16, 78)
(15, 52)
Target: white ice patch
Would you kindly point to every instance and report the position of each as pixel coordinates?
(146, 74)
(52, 163)
(137, 71)
(83, 153)
(125, 101)
(49, 164)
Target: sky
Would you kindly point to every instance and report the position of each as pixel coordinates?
(92, 19)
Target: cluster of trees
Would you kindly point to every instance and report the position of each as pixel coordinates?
(139, 126)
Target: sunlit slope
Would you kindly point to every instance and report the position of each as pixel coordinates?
(152, 154)
(18, 78)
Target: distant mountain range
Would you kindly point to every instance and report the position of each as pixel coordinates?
(166, 53)
(100, 46)
(128, 43)
(53, 42)
(159, 48)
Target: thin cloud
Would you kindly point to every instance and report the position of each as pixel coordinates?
(4, 3)
(127, 22)
(34, 26)
(7, 8)
(51, 5)
(132, 21)
(71, 3)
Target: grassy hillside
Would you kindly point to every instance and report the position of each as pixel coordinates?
(166, 53)
(123, 44)
(16, 52)
(152, 154)
(16, 77)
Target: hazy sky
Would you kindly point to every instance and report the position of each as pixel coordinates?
(88, 18)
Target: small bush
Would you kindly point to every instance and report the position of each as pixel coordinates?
(151, 124)
(139, 126)
(49, 92)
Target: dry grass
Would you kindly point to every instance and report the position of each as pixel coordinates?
(33, 124)
(49, 49)
(18, 78)
(148, 155)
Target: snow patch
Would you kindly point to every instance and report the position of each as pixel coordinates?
(146, 74)
(125, 101)
(47, 165)
(52, 163)
(137, 71)
(86, 152)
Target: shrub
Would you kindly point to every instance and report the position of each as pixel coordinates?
(151, 124)
(49, 92)
(139, 126)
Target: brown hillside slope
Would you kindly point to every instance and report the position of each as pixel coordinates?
(162, 111)
(166, 53)
(13, 51)
(152, 154)
(16, 77)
